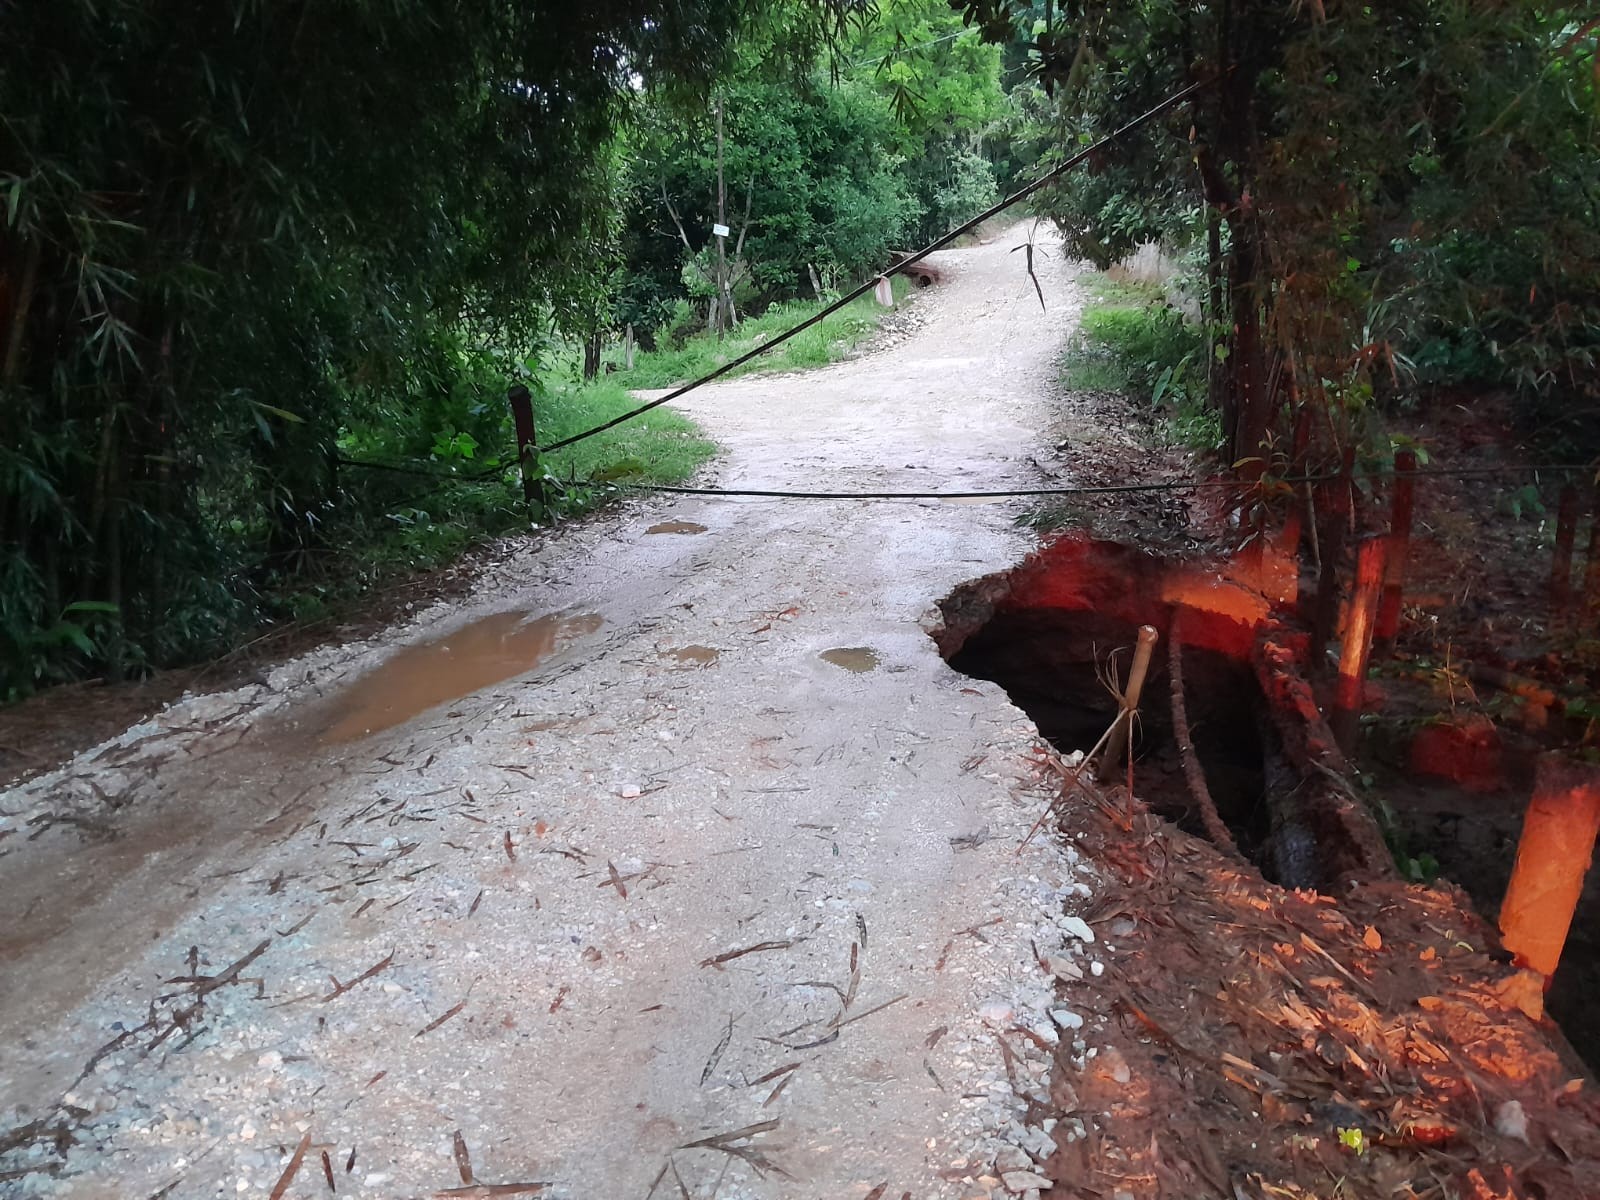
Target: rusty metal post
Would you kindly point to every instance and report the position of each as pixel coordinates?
(1356, 648)
(1405, 485)
(527, 444)
(1553, 853)
(1561, 564)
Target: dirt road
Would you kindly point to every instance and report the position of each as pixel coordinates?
(718, 898)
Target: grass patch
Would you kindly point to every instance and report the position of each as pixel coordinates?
(826, 342)
(662, 446)
(1131, 342)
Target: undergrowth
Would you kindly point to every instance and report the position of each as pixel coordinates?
(1132, 342)
(435, 524)
(827, 341)
(429, 473)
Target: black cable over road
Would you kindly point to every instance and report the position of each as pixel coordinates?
(1110, 489)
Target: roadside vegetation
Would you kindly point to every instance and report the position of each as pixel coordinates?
(1132, 342)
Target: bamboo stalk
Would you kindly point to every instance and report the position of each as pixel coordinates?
(1122, 728)
(1405, 488)
(1356, 649)
(1558, 836)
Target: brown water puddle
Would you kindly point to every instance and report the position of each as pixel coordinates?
(676, 527)
(858, 659)
(473, 657)
(694, 656)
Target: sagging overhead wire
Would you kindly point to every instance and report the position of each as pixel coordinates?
(1112, 489)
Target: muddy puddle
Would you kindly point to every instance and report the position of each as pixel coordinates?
(856, 659)
(693, 656)
(429, 674)
(684, 527)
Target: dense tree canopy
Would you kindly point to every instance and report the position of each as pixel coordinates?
(242, 239)
(1383, 195)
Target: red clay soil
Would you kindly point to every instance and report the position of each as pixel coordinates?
(1279, 1044)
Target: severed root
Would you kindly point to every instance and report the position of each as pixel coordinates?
(1193, 773)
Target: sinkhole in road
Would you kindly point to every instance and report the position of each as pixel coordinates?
(1051, 632)
(1052, 662)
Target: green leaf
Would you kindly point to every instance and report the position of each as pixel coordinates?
(69, 633)
(282, 414)
(620, 469)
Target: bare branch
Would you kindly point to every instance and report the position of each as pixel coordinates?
(682, 234)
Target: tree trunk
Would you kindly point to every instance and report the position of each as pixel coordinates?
(723, 307)
(592, 346)
(1247, 414)
(1215, 375)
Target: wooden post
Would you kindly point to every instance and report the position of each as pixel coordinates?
(527, 444)
(1553, 853)
(627, 347)
(1331, 545)
(1561, 564)
(1590, 613)
(1405, 484)
(1356, 649)
(1117, 741)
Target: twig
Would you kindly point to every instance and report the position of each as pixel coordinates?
(440, 1020)
(1066, 788)
(1216, 829)
(729, 955)
(340, 989)
(862, 1015)
(281, 1188)
(716, 1054)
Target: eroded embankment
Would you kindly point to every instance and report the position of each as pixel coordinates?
(1358, 1031)
(1271, 767)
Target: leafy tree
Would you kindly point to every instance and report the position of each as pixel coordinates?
(1365, 181)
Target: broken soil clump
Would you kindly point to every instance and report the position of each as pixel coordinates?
(1264, 1042)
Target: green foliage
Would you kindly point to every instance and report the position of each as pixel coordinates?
(1382, 197)
(829, 165)
(245, 245)
(233, 234)
(1132, 342)
(825, 342)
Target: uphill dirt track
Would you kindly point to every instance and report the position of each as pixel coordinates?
(694, 905)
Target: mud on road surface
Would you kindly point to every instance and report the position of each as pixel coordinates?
(715, 893)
